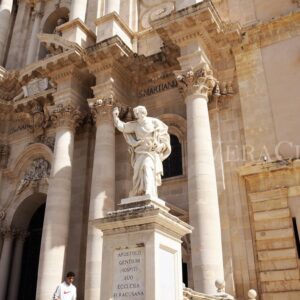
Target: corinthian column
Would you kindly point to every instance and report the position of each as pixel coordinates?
(16, 267)
(57, 214)
(8, 236)
(102, 192)
(5, 14)
(207, 259)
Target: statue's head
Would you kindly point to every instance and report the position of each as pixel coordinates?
(140, 112)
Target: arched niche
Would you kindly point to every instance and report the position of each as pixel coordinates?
(15, 172)
(50, 22)
(25, 209)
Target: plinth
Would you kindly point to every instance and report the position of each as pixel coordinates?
(142, 251)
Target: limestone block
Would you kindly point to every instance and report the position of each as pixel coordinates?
(278, 264)
(281, 296)
(274, 214)
(280, 275)
(275, 234)
(270, 204)
(276, 254)
(268, 195)
(281, 286)
(272, 224)
(275, 244)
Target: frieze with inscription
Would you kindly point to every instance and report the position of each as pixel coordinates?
(158, 88)
(129, 274)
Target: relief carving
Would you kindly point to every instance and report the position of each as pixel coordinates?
(39, 169)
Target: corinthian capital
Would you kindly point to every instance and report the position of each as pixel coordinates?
(66, 116)
(102, 110)
(196, 81)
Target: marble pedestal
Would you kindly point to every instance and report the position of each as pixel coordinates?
(141, 252)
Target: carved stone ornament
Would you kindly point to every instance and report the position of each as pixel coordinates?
(102, 110)
(196, 81)
(33, 87)
(4, 155)
(66, 116)
(39, 169)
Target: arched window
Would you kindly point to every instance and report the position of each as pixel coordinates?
(173, 164)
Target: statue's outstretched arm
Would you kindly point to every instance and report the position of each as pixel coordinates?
(122, 126)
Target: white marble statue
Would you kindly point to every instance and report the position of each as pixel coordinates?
(149, 145)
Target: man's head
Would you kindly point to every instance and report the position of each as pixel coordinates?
(70, 277)
(140, 112)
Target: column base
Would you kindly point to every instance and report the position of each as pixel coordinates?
(76, 31)
(112, 25)
(141, 251)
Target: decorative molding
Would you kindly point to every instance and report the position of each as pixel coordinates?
(39, 169)
(66, 116)
(102, 110)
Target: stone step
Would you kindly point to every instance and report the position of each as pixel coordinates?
(281, 275)
(283, 264)
(276, 254)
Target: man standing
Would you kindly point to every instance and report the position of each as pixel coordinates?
(66, 290)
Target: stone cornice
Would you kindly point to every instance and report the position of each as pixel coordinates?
(258, 168)
(77, 22)
(261, 35)
(198, 22)
(116, 17)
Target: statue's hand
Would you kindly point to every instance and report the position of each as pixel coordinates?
(116, 112)
(159, 148)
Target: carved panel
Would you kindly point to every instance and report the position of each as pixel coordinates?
(39, 169)
(152, 10)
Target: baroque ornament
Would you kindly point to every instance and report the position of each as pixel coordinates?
(66, 116)
(39, 169)
(196, 81)
(102, 110)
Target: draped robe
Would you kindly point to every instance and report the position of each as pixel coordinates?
(146, 159)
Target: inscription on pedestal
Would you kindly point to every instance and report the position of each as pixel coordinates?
(129, 274)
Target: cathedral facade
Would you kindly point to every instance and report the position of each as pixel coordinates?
(222, 74)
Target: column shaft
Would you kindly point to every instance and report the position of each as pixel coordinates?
(16, 269)
(78, 10)
(5, 14)
(33, 45)
(207, 260)
(102, 198)
(57, 215)
(112, 6)
(5, 263)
